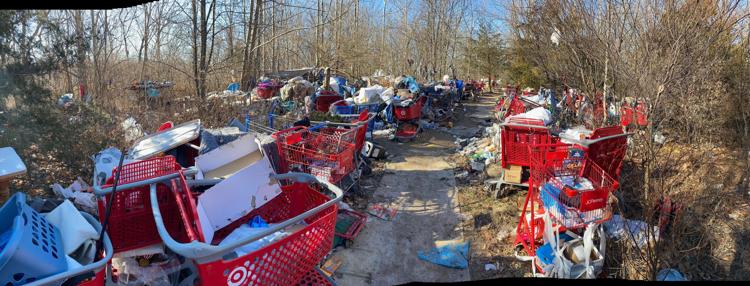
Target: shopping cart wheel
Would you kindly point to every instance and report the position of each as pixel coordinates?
(348, 243)
(366, 169)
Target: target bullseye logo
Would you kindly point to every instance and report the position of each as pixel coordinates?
(237, 276)
(403, 112)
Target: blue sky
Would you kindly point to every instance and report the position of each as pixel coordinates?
(491, 10)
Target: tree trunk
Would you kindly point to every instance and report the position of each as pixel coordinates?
(203, 49)
(80, 47)
(144, 43)
(252, 29)
(196, 80)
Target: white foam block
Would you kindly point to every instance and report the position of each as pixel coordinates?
(236, 196)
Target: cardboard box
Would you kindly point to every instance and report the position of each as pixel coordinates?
(512, 174)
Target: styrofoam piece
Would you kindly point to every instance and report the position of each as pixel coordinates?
(236, 196)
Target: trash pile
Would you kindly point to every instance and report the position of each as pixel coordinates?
(570, 171)
(188, 203)
(480, 152)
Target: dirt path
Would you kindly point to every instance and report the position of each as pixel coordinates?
(420, 180)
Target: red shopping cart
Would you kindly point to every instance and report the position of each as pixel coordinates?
(556, 186)
(325, 99)
(282, 262)
(511, 105)
(130, 223)
(517, 135)
(354, 132)
(407, 118)
(321, 155)
(568, 208)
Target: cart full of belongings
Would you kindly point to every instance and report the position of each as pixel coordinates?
(170, 201)
(164, 217)
(571, 180)
(570, 194)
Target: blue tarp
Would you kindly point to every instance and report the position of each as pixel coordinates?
(411, 83)
(233, 87)
(453, 255)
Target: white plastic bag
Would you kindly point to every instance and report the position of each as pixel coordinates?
(540, 113)
(634, 231)
(387, 95)
(244, 231)
(369, 94)
(567, 269)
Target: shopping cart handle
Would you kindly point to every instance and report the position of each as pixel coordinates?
(94, 266)
(99, 191)
(588, 142)
(205, 252)
(524, 125)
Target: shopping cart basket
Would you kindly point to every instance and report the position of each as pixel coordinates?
(321, 155)
(407, 125)
(282, 262)
(130, 223)
(517, 135)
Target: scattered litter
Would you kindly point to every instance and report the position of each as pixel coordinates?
(344, 206)
(462, 175)
(349, 224)
(574, 133)
(631, 230)
(450, 253)
(540, 113)
(331, 265)
(382, 212)
(213, 138)
(372, 150)
(490, 267)
(74, 229)
(79, 193)
(154, 270)
(659, 138)
(504, 234)
(104, 162)
(384, 132)
(477, 166)
(132, 129)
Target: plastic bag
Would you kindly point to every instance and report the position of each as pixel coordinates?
(104, 162)
(255, 226)
(540, 113)
(133, 129)
(634, 231)
(129, 272)
(369, 94)
(387, 95)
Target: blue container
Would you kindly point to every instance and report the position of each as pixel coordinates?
(546, 254)
(32, 246)
(550, 198)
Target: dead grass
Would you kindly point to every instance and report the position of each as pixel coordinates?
(490, 224)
